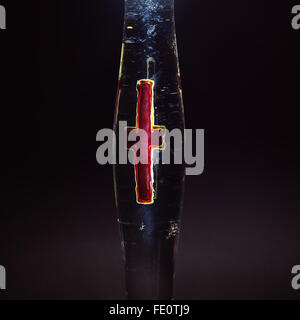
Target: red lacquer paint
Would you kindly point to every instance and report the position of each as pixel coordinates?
(145, 121)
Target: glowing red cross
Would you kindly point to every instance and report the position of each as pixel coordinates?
(145, 121)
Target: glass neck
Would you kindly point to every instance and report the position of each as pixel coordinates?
(149, 6)
(149, 21)
(149, 12)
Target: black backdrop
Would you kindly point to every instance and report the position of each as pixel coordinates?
(240, 72)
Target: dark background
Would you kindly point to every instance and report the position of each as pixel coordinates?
(240, 71)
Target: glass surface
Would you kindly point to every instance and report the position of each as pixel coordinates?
(149, 232)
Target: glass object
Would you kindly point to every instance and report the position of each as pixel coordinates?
(149, 197)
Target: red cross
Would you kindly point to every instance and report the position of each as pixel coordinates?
(145, 121)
